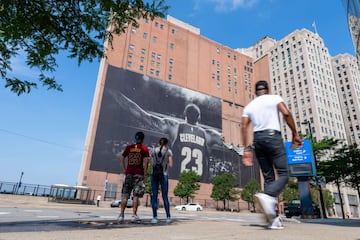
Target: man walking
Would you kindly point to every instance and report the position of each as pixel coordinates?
(263, 113)
(137, 156)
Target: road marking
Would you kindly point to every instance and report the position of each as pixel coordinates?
(32, 210)
(47, 216)
(108, 217)
(4, 213)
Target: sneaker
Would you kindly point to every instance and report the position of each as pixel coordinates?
(135, 219)
(168, 220)
(276, 224)
(154, 220)
(267, 204)
(120, 219)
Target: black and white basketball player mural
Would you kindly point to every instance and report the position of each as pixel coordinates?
(190, 120)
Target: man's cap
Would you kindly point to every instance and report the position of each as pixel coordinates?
(261, 85)
(139, 137)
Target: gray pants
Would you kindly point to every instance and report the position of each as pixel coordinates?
(270, 153)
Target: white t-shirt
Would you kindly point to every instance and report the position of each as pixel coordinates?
(263, 112)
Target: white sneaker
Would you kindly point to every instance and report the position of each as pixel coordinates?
(268, 204)
(276, 224)
(120, 218)
(135, 219)
(154, 220)
(168, 220)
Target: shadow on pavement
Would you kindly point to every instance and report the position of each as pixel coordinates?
(47, 226)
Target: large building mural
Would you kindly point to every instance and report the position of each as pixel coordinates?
(191, 121)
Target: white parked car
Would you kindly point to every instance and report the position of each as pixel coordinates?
(189, 207)
(117, 203)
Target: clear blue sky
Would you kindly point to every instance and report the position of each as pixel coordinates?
(43, 134)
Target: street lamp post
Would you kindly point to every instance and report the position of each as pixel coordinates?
(323, 212)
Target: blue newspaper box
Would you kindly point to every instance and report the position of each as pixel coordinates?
(301, 160)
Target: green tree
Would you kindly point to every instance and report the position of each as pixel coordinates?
(329, 200)
(291, 191)
(187, 186)
(247, 194)
(335, 170)
(42, 29)
(352, 154)
(224, 188)
(321, 148)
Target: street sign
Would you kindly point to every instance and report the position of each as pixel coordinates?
(301, 160)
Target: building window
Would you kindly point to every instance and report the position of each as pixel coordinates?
(155, 39)
(145, 35)
(131, 47)
(133, 30)
(170, 77)
(141, 68)
(172, 45)
(143, 51)
(129, 64)
(171, 61)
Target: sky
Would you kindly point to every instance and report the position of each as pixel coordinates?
(42, 134)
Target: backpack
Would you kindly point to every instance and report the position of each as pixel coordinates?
(158, 169)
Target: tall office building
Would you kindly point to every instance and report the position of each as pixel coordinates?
(149, 78)
(347, 78)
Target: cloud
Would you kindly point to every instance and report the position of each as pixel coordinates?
(231, 5)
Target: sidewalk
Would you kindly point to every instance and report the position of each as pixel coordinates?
(319, 229)
(199, 230)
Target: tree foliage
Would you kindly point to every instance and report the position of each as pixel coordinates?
(344, 167)
(329, 200)
(247, 194)
(42, 29)
(322, 147)
(224, 188)
(353, 170)
(187, 185)
(291, 191)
